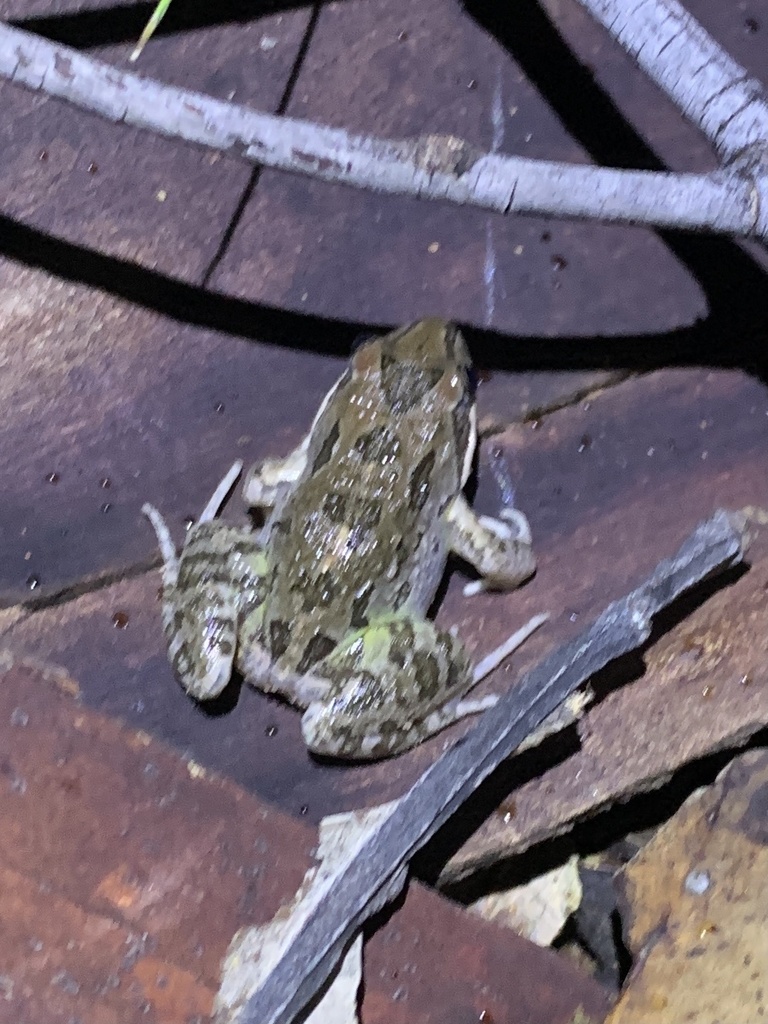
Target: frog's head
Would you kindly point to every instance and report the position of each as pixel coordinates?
(432, 344)
(430, 356)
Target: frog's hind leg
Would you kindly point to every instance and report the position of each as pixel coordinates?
(395, 683)
(217, 578)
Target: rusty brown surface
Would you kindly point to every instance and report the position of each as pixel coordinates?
(436, 961)
(695, 909)
(125, 870)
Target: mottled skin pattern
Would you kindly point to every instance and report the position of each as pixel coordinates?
(326, 605)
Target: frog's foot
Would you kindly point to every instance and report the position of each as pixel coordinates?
(495, 657)
(163, 534)
(500, 549)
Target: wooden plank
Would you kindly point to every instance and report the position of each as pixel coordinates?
(603, 512)
(128, 193)
(398, 70)
(114, 405)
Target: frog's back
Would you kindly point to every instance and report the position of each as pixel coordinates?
(360, 533)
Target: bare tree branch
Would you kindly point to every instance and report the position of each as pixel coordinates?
(430, 167)
(706, 84)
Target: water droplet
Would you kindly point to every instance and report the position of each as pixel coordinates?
(472, 83)
(546, 236)
(558, 262)
(42, 156)
(303, 810)
(105, 483)
(751, 25)
(535, 424)
(219, 407)
(271, 730)
(189, 522)
(19, 717)
(120, 620)
(106, 507)
(697, 882)
(93, 168)
(53, 478)
(485, 1017)
(33, 582)
(402, 36)
(573, 616)
(585, 443)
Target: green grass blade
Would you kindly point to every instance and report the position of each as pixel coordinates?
(149, 28)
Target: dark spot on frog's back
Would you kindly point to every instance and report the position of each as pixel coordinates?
(359, 618)
(379, 445)
(406, 385)
(418, 485)
(326, 449)
(461, 423)
(318, 648)
(335, 507)
(427, 672)
(317, 591)
(279, 634)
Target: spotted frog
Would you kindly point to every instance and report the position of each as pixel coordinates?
(326, 604)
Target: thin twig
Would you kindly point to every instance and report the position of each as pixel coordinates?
(430, 167)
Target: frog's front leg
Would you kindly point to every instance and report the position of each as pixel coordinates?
(500, 549)
(207, 590)
(394, 684)
(267, 482)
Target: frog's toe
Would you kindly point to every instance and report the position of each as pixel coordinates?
(203, 674)
(325, 734)
(516, 523)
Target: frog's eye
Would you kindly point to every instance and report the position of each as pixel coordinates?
(362, 339)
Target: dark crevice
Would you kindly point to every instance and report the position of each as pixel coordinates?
(87, 585)
(255, 175)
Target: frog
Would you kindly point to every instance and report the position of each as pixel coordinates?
(326, 605)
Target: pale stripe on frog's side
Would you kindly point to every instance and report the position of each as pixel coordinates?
(326, 604)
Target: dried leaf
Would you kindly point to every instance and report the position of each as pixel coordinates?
(699, 907)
